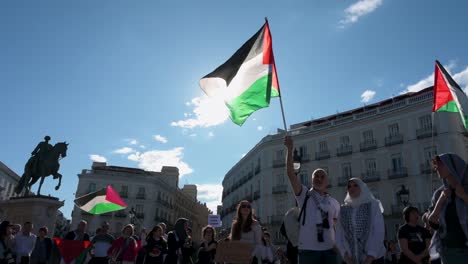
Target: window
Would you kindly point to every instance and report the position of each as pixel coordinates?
(280, 206)
(303, 150)
(141, 190)
(397, 162)
(344, 141)
(429, 153)
(279, 179)
(368, 135)
(139, 209)
(346, 170)
(393, 130)
(304, 177)
(124, 190)
(157, 212)
(323, 146)
(279, 154)
(371, 166)
(425, 122)
(92, 187)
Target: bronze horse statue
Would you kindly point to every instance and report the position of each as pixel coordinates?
(36, 169)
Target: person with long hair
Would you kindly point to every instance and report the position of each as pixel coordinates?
(124, 248)
(6, 252)
(176, 240)
(207, 250)
(360, 229)
(155, 249)
(449, 218)
(245, 228)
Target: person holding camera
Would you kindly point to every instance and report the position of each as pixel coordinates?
(361, 231)
(318, 216)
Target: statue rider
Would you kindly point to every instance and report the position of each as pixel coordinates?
(40, 152)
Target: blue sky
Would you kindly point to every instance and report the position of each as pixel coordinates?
(118, 80)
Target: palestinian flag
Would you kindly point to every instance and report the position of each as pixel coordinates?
(101, 202)
(73, 250)
(248, 79)
(448, 96)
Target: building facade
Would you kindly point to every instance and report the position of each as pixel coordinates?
(8, 181)
(388, 144)
(154, 196)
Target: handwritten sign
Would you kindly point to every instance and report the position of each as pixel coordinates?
(214, 220)
(234, 252)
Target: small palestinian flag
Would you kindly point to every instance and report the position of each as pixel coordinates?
(101, 202)
(248, 79)
(448, 96)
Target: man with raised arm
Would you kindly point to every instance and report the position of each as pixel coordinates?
(319, 213)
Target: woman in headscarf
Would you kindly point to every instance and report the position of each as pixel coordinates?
(360, 230)
(176, 240)
(450, 215)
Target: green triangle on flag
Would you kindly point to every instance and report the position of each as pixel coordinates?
(448, 96)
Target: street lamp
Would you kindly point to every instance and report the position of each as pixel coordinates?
(297, 158)
(403, 195)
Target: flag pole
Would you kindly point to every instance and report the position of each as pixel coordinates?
(280, 97)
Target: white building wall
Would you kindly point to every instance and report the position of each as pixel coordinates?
(406, 111)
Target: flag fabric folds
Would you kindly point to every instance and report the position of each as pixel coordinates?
(248, 79)
(448, 96)
(73, 250)
(103, 201)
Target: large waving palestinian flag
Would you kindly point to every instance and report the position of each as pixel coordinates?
(448, 96)
(248, 79)
(104, 201)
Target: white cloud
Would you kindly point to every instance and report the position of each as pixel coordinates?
(210, 194)
(211, 134)
(124, 150)
(160, 138)
(359, 9)
(243, 155)
(154, 160)
(97, 158)
(133, 142)
(142, 146)
(207, 112)
(259, 128)
(461, 78)
(193, 135)
(367, 95)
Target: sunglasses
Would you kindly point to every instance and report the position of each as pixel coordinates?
(353, 185)
(245, 206)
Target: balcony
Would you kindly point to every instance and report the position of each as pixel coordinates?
(121, 214)
(396, 173)
(343, 180)
(123, 194)
(425, 168)
(283, 188)
(371, 176)
(321, 155)
(368, 145)
(344, 150)
(393, 140)
(279, 163)
(256, 195)
(425, 132)
(141, 196)
(140, 215)
(276, 219)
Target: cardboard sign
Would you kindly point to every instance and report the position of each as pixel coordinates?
(234, 252)
(214, 220)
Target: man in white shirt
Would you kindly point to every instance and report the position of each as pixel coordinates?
(24, 244)
(317, 218)
(102, 242)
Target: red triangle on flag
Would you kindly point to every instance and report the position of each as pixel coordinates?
(113, 197)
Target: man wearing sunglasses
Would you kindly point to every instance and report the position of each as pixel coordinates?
(319, 213)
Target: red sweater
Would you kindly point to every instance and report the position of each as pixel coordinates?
(130, 252)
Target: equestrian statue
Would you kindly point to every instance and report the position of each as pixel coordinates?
(44, 161)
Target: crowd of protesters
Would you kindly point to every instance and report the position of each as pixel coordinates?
(327, 232)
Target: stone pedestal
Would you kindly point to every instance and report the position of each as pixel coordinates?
(40, 210)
